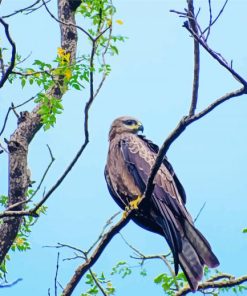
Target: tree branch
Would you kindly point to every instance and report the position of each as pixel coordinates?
(13, 53)
(22, 9)
(28, 126)
(195, 88)
(214, 285)
(83, 268)
(98, 283)
(215, 55)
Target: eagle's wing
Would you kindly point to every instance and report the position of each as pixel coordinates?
(187, 244)
(155, 148)
(139, 159)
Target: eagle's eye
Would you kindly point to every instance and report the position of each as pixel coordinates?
(130, 122)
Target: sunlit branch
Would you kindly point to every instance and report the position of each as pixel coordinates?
(214, 285)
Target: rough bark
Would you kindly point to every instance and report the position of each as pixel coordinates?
(28, 125)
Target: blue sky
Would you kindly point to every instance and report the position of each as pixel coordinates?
(151, 79)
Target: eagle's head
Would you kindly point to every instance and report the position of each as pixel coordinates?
(125, 124)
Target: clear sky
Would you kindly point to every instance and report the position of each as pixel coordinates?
(151, 79)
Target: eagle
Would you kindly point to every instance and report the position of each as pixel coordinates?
(129, 162)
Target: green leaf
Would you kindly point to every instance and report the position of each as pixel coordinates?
(159, 278)
(23, 82)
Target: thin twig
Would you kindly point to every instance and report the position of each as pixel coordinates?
(199, 213)
(12, 108)
(143, 257)
(83, 268)
(66, 24)
(56, 274)
(215, 20)
(13, 53)
(97, 283)
(216, 56)
(210, 19)
(108, 222)
(21, 10)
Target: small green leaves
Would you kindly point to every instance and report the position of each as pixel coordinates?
(244, 230)
(94, 280)
(122, 269)
(49, 108)
(3, 200)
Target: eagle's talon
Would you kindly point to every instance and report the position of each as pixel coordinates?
(135, 203)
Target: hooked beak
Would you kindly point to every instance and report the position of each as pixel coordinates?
(140, 127)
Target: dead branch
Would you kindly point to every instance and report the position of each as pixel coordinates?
(211, 21)
(13, 53)
(195, 87)
(56, 274)
(22, 9)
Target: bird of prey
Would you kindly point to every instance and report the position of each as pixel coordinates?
(129, 162)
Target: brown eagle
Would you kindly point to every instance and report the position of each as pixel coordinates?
(130, 159)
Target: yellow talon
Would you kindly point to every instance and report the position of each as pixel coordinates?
(134, 203)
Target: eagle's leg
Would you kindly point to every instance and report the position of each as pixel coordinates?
(134, 203)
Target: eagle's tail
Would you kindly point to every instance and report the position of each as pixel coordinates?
(196, 252)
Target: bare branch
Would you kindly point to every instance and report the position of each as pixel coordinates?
(83, 268)
(13, 53)
(214, 284)
(199, 213)
(56, 274)
(108, 222)
(216, 56)
(22, 9)
(66, 24)
(212, 22)
(195, 88)
(13, 108)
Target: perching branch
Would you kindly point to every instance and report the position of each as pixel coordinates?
(13, 53)
(182, 125)
(83, 268)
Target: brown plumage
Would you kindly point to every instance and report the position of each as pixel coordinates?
(129, 162)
